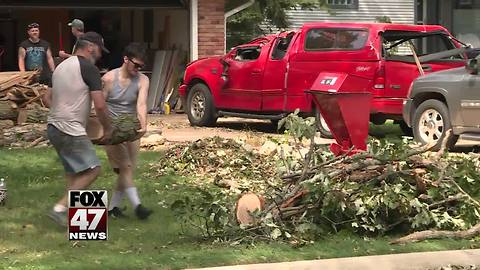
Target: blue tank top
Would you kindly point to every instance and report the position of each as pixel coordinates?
(123, 100)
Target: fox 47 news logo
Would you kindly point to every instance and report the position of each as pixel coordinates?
(87, 215)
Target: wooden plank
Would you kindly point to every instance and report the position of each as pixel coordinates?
(172, 77)
(163, 75)
(168, 75)
(156, 73)
(160, 90)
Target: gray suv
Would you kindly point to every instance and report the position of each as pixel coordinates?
(442, 100)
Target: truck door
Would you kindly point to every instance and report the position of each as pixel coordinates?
(400, 66)
(244, 79)
(274, 93)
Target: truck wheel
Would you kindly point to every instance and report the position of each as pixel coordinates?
(407, 131)
(430, 124)
(200, 108)
(322, 125)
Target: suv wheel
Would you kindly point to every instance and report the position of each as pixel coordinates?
(322, 125)
(200, 108)
(430, 123)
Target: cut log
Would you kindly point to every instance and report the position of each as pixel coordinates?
(36, 114)
(434, 234)
(6, 111)
(247, 204)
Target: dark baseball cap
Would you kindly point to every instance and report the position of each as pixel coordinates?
(96, 38)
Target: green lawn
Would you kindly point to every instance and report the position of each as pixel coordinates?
(29, 240)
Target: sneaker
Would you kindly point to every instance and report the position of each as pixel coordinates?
(142, 212)
(116, 213)
(59, 217)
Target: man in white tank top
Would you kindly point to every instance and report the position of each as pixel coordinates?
(126, 91)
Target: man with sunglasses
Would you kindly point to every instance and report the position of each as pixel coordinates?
(35, 54)
(126, 91)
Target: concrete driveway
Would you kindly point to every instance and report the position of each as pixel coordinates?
(409, 261)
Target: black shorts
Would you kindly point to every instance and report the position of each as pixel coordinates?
(76, 152)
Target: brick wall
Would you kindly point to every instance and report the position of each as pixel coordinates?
(211, 27)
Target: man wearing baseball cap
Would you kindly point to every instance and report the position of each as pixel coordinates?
(78, 29)
(76, 82)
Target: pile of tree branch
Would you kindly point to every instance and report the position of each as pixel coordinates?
(223, 162)
(22, 136)
(18, 91)
(392, 188)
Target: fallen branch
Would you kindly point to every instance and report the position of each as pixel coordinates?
(450, 199)
(434, 234)
(465, 193)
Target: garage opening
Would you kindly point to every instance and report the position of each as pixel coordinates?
(163, 26)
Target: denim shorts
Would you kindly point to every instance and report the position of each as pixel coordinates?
(76, 152)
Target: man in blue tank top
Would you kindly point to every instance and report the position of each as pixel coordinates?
(126, 91)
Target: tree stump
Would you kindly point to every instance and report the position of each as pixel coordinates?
(247, 204)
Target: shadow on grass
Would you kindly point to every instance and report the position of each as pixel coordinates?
(259, 126)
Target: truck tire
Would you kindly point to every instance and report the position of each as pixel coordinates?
(430, 124)
(407, 131)
(200, 108)
(322, 125)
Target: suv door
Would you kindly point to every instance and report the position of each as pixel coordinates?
(400, 66)
(244, 79)
(470, 100)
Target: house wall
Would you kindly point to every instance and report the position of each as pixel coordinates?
(211, 27)
(399, 11)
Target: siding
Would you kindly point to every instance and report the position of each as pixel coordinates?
(399, 11)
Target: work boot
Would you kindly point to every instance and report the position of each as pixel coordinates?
(142, 212)
(116, 213)
(59, 217)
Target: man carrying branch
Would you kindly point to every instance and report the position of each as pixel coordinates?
(75, 83)
(126, 91)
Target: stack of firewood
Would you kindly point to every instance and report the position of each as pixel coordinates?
(20, 97)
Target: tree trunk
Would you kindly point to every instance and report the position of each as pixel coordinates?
(6, 111)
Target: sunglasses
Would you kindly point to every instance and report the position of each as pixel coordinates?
(33, 25)
(137, 65)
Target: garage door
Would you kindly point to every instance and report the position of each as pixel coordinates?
(94, 3)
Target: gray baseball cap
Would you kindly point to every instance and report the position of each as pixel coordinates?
(77, 24)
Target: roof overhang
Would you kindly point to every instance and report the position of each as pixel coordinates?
(94, 4)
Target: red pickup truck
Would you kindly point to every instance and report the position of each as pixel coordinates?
(266, 78)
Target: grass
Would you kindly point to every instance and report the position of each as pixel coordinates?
(29, 240)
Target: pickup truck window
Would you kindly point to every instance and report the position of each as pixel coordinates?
(281, 47)
(398, 49)
(247, 54)
(335, 39)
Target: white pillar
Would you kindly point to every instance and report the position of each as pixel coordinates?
(193, 30)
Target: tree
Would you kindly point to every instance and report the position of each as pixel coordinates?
(246, 25)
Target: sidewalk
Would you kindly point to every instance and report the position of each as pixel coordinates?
(408, 261)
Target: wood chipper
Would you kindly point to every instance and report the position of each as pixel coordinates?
(344, 102)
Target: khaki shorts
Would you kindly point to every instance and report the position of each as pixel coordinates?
(123, 155)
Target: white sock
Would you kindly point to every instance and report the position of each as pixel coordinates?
(59, 208)
(117, 198)
(132, 195)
